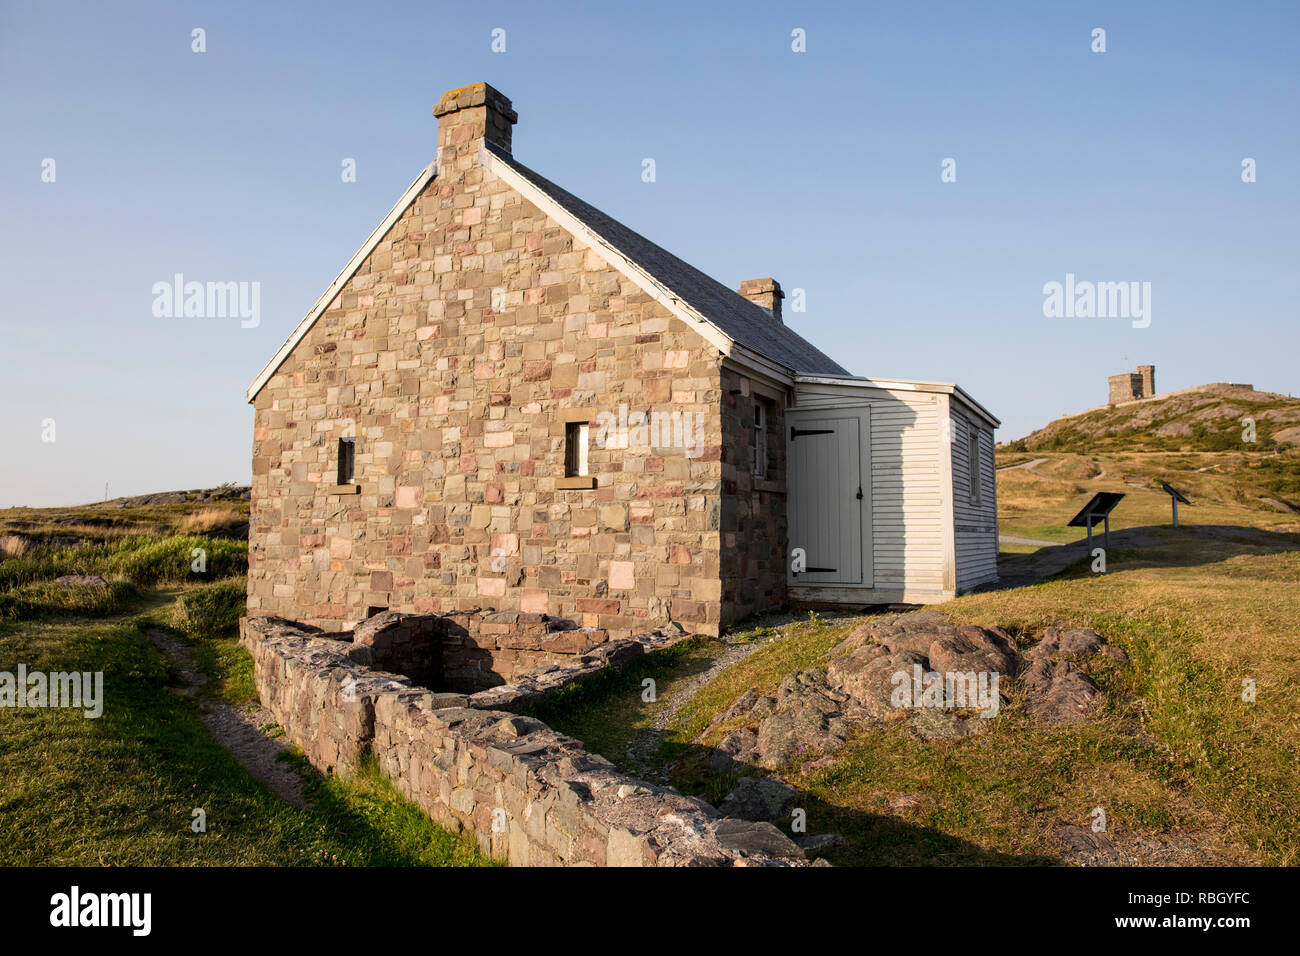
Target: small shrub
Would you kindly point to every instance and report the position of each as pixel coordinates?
(212, 610)
(45, 598)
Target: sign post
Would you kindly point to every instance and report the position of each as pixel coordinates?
(1098, 509)
(1174, 497)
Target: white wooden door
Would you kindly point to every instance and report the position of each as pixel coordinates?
(828, 495)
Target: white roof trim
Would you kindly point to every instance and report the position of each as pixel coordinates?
(341, 280)
(903, 385)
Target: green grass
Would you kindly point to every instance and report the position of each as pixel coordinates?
(42, 598)
(211, 609)
(119, 790)
(1195, 631)
(606, 712)
(142, 560)
(107, 522)
(1226, 489)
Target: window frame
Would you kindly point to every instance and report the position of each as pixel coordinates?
(759, 449)
(974, 479)
(577, 444)
(346, 471)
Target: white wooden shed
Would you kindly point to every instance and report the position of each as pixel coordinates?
(891, 490)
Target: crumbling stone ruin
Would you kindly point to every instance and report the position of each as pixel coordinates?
(530, 795)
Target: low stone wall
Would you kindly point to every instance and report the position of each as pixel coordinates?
(532, 796)
(483, 649)
(527, 689)
(469, 651)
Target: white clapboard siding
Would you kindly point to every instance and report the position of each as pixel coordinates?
(976, 525)
(907, 493)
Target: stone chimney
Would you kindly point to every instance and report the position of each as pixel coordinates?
(764, 292)
(466, 118)
(1148, 373)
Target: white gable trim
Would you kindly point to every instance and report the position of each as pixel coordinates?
(341, 280)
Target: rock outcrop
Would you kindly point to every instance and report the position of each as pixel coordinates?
(950, 679)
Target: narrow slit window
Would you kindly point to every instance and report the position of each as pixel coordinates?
(347, 460)
(575, 449)
(759, 444)
(973, 464)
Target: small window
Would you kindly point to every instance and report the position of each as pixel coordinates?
(575, 449)
(347, 460)
(973, 463)
(759, 445)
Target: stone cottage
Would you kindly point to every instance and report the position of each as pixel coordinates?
(508, 400)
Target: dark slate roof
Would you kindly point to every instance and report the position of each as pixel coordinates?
(749, 324)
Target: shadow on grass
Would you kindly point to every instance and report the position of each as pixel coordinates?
(1148, 546)
(604, 711)
(869, 839)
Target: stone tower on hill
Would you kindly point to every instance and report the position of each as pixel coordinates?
(1128, 386)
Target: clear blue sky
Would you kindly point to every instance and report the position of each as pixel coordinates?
(821, 169)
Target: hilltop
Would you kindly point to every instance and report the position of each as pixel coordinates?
(220, 512)
(1203, 419)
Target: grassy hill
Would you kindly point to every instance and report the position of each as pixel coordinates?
(1039, 493)
(1208, 418)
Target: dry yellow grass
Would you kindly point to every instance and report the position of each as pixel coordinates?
(212, 519)
(1200, 617)
(1070, 467)
(1023, 491)
(1225, 488)
(13, 546)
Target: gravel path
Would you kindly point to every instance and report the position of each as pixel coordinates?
(238, 731)
(1012, 539)
(1024, 464)
(643, 748)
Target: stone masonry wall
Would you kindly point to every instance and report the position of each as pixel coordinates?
(469, 651)
(457, 400)
(530, 795)
(754, 529)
